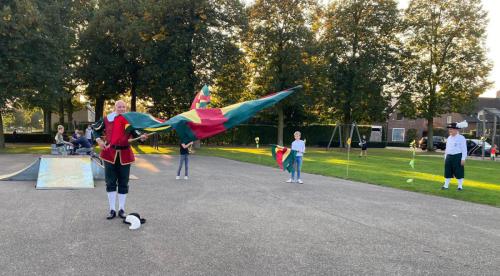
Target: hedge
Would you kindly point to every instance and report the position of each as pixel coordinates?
(242, 135)
(29, 138)
(316, 135)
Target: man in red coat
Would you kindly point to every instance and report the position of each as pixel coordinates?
(117, 156)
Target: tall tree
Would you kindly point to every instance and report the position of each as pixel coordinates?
(187, 44)
(22, 56)
(103, 66)
(54, 67)
(446, 67)
(278, 42)
(359, 53)
(162, 51)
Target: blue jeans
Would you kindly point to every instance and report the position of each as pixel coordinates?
(185, 159)
(298, 165)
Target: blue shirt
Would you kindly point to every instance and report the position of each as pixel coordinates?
(82, 141)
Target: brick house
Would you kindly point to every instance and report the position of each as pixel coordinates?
(398, 125)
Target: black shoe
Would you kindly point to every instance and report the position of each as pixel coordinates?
(444, 188)
(112, 214)
(459, 189)
(122, 214)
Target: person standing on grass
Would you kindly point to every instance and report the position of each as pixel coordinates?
(364, 147)
(300, 147)
(455, 155)
(184, 153)
(493, 152)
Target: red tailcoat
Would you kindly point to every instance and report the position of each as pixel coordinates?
(117, 136)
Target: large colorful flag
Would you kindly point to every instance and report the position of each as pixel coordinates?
(284, 157)
(201, 123)
(202, 98)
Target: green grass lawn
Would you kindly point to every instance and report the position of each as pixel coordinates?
(384, 167)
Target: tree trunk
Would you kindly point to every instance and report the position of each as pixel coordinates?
(47, 120)
(133, 95)
(99, 108)
(281, 124)
(430, 134)
(2, 135)
(70, 110)
(61, 112)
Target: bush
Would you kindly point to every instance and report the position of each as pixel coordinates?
(441, 132)
(468, 136)
(315, 135)
(401, 144)
(244, 135)
(411, 135)
(30, 138)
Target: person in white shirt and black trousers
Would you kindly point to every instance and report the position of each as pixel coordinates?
(455, 155)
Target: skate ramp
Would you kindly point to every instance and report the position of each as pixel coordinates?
(32, 171)
(29, 173)
(65, 173)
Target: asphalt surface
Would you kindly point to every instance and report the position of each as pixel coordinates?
(233, 218)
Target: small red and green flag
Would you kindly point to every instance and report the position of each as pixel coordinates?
(284, 157)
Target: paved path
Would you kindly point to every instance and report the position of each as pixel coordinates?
(233, 218)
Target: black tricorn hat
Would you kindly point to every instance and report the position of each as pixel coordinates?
(460, 125)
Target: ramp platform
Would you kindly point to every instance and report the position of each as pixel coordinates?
(61, 172)
(65, 173)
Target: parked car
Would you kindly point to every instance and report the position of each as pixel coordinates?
(438, 141)
(474, 147)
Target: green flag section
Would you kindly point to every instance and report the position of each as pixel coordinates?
(204, 123)
(202, 98)
(284, 157)
(144, 122)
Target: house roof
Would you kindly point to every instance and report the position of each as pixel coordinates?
(487, 103)
(491, 105)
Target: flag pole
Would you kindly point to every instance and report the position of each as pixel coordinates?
(137, 138)
(348, 154)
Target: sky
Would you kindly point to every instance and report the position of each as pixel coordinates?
(492, 42)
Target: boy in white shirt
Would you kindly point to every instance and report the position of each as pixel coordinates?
(455, 155)
(299, 146)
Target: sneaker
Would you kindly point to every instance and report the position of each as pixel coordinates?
(460, 189)
(444, 188)
(186, 178)
(300, 181)
(177, 177)
(289, 180)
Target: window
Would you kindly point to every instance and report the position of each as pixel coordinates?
(398, 134)
(448, 119)
(399, 116)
